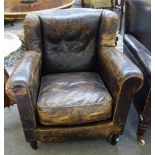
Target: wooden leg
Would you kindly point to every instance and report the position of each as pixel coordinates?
(82, 3)
(121, 19)
(12, 23)
(122, 12)
(145, 119)
(140, 133)
(112, 5)
(114, 139)
(143, 125)
(34, 145)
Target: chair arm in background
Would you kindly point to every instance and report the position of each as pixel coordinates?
(141, 55)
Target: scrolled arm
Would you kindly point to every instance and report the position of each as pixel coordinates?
(121, 77)
(25, 78)
(23, 85)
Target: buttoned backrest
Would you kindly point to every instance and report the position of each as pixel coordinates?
(69, 38)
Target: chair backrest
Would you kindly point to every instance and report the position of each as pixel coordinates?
(69, 38)
(138, 20)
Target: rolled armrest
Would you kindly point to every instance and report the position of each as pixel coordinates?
(140, 54)
(25, 78)
(121, 77)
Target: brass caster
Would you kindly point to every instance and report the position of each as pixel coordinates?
(141, 141)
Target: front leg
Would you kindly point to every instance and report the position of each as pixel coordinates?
(34, 145)
(112, 5)
(143, 125)
(82, 3)
(114, 139)
(140, 133)
(145, 120)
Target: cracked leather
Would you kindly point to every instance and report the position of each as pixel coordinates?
(67, 41)
(73, 98)
(25, 78)
(69, 44)
(121, 77)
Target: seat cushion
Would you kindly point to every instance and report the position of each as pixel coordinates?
(73, 98)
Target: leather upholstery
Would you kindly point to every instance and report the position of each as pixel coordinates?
(137, 46)
(120, 76)
(142, 60)
(69, 40)
(26, 76)
(139, 52)
(108, 29)
(73, 98)
(32, 33)
(138, 21)
(69, 37)
(137, 43)
(88, 99)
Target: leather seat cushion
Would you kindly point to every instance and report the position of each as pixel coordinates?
(73, 98)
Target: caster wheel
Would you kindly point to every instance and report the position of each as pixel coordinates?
(34, 145)
(114, 139)
(141, 141)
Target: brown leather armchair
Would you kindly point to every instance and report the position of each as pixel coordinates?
(137, 46)
(72, 82)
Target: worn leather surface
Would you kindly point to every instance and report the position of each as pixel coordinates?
(137, 46)
(68, 38)
(32, 33)
(88, 100)
(108, 28)
(25, 78)
(139, 53)
(121, 77)
(73, 98)
(138, 21)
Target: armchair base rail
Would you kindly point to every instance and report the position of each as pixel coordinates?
(47, 135)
